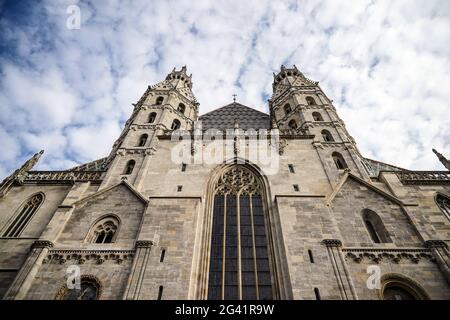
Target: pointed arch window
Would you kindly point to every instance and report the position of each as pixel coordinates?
(310, 101)
(152, 117)
(90, 289)
(287, 108)
(129, 167)
(104, 231)
(143, 140)
(159, 100)
(443, 203)
(176, 124)
(239, 263)
(326, 135)
(339, 161)
(398, 287)
(23, 216)
(317, 116)
(181, 108)
(292, 124)
(375, 227)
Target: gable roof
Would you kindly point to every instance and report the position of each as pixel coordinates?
(224, 118)
(347, 175)
(103, 191)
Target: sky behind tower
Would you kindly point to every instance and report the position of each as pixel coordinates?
(386, 65)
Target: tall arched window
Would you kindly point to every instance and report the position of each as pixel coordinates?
(292, 124)
(443, 203)
(326, 135)
(375, 227)
(143, 140)
(129, 167)
(310, 101)
(239, 263)
(181, 108)
(317, 116)
(23, 216)
(339, 161)
(287, 108)
(152, 117)
(159, 100)
(176, 124)
(104, 230)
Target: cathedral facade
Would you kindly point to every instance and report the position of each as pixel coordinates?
(233, 204)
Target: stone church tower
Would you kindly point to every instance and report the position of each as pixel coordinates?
(260, 206)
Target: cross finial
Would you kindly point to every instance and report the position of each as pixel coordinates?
(234, 97)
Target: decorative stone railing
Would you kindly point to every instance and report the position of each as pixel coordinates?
(393, 255)
(85, 256)
(424, 177)
(63, 176)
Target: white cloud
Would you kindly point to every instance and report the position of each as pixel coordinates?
(385, 64)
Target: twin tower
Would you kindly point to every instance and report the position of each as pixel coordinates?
(298, 109)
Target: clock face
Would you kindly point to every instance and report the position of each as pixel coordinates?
(88, 291)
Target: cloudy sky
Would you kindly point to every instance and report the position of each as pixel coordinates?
(386, 65)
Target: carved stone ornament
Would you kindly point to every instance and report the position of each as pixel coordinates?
(82, 257)
(144, 243)
(435, 244)
(388, 255)
(238, 180)
(332, 242)
(42, 244)
(281, 146)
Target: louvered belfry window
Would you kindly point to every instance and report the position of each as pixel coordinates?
(239, 262)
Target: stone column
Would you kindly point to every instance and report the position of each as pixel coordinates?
(134, 284)
(346, 287)
(22, 283)
(441, 254)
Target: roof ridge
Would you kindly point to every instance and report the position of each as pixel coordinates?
(231, 104)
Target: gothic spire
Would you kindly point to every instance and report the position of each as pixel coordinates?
(20, 174)
(442, 159)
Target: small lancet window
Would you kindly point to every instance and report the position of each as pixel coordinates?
(23, 216)
(317, 116)
(292, 124)
(443, 203)
(326, 135)
(129, 167)
(310, 101)
(287, 108)
(143, 140)
(159, 100)
(104, 231)
(375, 227)
(311, 257)
(181, 108)
(176, 124)
(291, 168)
(152, 117)
(317, 293)
(339, 161)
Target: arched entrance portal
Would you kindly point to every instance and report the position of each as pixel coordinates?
(239, 266)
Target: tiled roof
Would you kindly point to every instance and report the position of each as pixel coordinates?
(224, 118)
